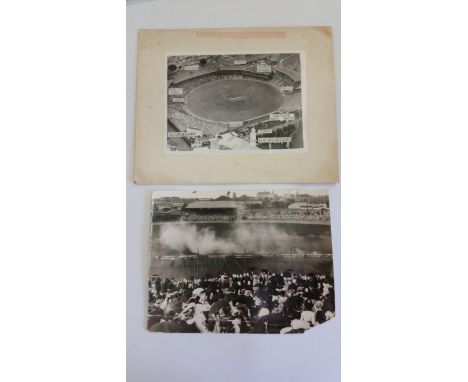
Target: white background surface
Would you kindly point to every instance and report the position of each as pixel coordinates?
(231, 358)
(404, 199)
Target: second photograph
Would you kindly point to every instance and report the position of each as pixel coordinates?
(240, 262)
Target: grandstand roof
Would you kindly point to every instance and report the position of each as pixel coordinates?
(182, 75)
(202, 204)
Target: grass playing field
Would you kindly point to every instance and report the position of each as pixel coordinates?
(216, 265)
(234, 100)
(221, 247)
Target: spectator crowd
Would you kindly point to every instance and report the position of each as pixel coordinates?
(285, 214)
(193, 217)
(251, 302)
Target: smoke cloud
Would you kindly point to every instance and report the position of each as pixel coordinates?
(256, 238)
(182, 237)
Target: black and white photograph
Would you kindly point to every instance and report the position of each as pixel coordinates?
(240, 262)
(235, 103)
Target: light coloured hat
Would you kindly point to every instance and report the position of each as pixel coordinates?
(198, 291)
(300, 324)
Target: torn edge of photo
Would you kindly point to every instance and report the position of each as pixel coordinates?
(240, 262)
(262, 100)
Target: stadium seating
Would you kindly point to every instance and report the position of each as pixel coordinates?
(181, 116)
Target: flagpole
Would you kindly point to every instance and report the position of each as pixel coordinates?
(292, 266)
(198, 254)
(244, 262)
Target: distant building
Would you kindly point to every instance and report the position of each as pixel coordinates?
(274, 58)
(214, 207)
(319, 209)
(254, 204)
(265, 195)
(303, 197)
(177, 206)
(162, 207)
(167, 211)
(307, 206)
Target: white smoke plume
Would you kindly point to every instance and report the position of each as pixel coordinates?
(180, 237)
(251, 237)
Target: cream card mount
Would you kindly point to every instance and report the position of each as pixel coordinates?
(252, 105)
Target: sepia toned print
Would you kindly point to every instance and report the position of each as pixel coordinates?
(234, 103)
(190, 104)
(240, 262)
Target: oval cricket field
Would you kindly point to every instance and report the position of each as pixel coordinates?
(234, 100)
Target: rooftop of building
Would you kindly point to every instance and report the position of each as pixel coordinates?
(213, 204)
